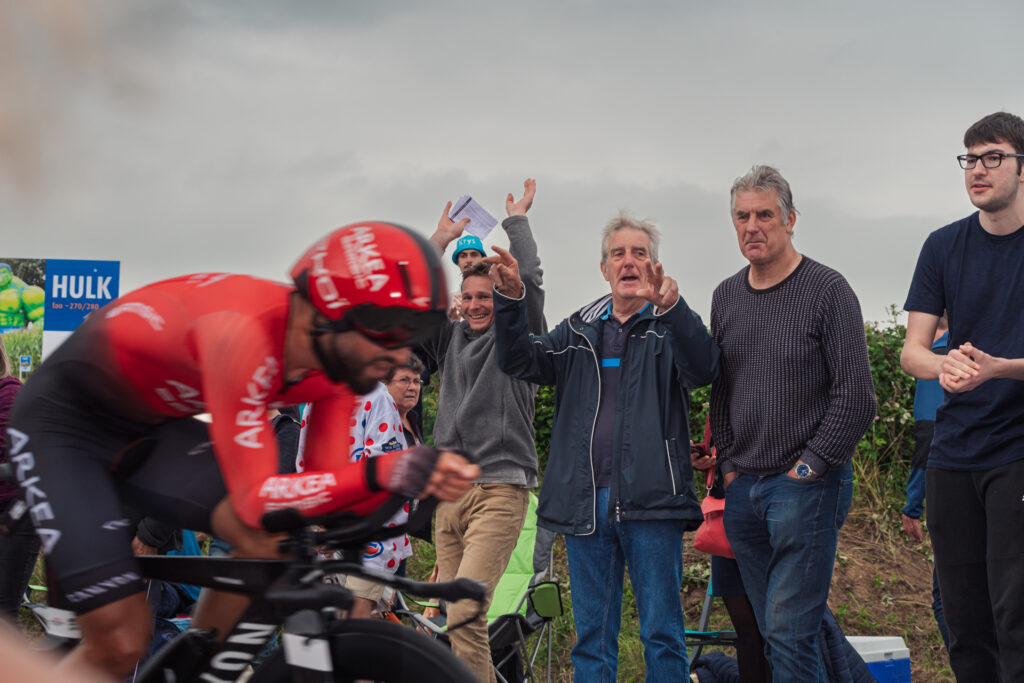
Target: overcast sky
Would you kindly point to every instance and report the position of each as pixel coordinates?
(228, 136)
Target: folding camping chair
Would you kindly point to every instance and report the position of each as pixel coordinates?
(701, 637)
(525, 602)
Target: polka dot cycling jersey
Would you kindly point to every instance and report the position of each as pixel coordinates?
(375, 428)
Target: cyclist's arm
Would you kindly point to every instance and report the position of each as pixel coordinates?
(412, 473)
(240, 375)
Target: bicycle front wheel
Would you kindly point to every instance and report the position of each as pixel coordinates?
(369, 649)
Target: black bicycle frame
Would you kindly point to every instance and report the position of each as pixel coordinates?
(287, 592)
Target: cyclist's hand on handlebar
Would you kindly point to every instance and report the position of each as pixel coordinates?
(421, 472)
(452, 477)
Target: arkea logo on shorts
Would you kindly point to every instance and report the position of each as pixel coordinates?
(36, 499)
(103, 586)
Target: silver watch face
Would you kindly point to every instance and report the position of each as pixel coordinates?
(803, 470)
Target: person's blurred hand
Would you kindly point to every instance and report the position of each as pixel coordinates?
(912, 527)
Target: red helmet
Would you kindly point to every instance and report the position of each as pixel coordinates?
(380, 279)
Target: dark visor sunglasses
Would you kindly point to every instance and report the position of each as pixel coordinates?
(391, 327)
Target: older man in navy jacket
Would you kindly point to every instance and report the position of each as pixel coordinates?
(618, 482)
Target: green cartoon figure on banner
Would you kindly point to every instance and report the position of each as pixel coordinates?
(20, 303)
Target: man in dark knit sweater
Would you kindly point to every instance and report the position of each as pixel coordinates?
(792, 400)
(973, 269)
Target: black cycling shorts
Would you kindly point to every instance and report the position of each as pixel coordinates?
(77, 464)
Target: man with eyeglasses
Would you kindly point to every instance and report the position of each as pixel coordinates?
(974, 269)
(482, 411)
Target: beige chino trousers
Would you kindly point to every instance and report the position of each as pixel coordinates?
(475, 537)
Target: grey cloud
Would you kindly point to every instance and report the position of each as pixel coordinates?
(256, 127)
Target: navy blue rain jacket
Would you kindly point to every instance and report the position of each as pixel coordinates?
(665, 356)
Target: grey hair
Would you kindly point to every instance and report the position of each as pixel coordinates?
(762, 178)
(625, 220)
(414, 363)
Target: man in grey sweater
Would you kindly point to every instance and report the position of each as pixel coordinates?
(486, 413)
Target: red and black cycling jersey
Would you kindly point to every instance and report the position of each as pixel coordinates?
(215, 343)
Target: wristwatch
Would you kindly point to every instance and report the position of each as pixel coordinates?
(804, 472)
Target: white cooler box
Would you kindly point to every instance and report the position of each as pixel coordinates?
(887, 657)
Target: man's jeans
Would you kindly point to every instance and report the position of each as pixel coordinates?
(653, 552)
(784, 533)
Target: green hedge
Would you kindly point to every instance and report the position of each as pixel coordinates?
(883, 455)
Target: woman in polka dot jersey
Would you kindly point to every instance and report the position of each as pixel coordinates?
(376, 428)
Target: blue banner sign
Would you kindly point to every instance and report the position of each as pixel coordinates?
(76, 288)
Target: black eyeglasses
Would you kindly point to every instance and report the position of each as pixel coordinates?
(988, 159)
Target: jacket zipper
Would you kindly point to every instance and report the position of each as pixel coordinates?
(671, 475)
(593, 426)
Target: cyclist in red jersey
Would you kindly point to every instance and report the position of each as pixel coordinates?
(108, 418)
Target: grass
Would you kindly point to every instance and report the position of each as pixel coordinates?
(29, 624)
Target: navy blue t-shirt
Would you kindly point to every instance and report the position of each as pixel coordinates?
(978, 279)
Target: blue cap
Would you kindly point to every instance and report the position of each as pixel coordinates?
(467, 242)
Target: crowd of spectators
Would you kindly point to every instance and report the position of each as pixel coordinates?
(791, 397)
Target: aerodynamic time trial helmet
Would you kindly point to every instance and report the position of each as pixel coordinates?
(379, 279)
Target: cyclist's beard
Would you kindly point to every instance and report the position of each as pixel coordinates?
(340, 369)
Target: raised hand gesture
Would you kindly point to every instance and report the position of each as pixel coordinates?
(514, 208)
(505, 273)
(660, 290)
(447, 229)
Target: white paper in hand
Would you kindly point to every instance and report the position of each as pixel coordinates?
(480, 222)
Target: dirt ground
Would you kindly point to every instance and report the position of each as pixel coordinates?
(882, 586)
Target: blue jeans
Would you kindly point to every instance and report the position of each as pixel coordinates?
(652, 550)
(784, 533)
(940, 616)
